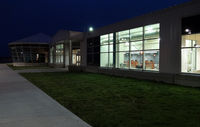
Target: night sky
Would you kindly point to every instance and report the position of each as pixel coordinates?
(22, 18)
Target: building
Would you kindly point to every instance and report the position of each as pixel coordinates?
(30, 51)
(65, 48)
(162, 46)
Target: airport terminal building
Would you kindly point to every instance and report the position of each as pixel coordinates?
(162, 46)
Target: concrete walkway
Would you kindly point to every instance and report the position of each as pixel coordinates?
(24, 105)
(42, 70)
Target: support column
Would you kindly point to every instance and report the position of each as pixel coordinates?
(83, 48)
(114, 49)
(70, 52)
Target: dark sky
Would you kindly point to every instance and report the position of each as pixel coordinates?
(21, 18)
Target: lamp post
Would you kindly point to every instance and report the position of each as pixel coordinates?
(91, 29)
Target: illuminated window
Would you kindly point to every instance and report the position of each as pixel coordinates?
(123, 36)
(122, 60)
(138, 45)
(152, 31)
(59, 53)
(138, 48)
(136, 59)
(136, 34)
(151, 60)
(106, 50)
(122, 46)
(151, 44)
(104, 40)
(190, 53)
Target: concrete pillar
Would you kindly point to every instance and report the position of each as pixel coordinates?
(170, 45)
(83, 48)
(70, 52)
(66, 54)
(54, 54)
(114, 50)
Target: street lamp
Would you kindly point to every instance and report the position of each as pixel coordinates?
(91, 29)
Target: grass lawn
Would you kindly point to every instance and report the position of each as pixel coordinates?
(106, 101)
(28, 67)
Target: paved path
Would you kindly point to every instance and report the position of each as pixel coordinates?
(42, 70)
(24, 105)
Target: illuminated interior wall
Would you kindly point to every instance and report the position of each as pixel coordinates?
(190, 57)
(138, 48)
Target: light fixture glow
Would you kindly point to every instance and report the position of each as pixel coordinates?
(91, 29)
(187, 30)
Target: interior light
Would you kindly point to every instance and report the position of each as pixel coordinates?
(187, 30)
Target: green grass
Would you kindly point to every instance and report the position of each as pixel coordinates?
(106, 101)
(27, 67)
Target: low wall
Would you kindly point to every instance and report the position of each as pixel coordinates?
(178, 79)
(57, 65)
(29, 64)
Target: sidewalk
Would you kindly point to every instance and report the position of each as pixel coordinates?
(24, 105)
(42, 70)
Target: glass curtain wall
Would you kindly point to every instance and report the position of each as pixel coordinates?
(138, 48)
(29, 53)
(106, 50)
(59, 53)
(191, 53)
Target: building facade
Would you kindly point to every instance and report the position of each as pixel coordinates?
(162, 46)
(65, 48)
(30, 51)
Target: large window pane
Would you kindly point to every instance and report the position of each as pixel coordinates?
(122, 59)
(111, 38)
(136, 34)
(152, 31)
(123, 36)
(104, 48)
(190, 55)
(111, 48)
(151, 44)
(104, 60)
(151, 60)
(104, 39)
(122, 46)
(138, 45)
(110, 59)
(136, 60)
(191, 60)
